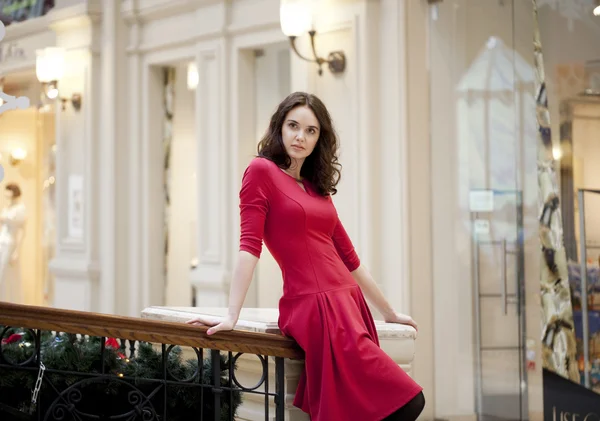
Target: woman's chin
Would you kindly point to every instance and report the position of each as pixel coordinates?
(296, 154)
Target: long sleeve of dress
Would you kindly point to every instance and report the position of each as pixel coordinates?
(254, 206)
(344, 247)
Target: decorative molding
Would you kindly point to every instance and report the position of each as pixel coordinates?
(211, 286)
(20, 30)
(150, 10)
(194, 15)
(210, 157)
(73, 268)
(169, 56)
(134, 173)
(237, 30)
(165, 45)
(214, 279)
(76, 15)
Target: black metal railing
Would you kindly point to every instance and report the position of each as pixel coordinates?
(65, 365)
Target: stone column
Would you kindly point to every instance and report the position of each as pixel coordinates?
(211, 276)
(134, 168)
(76, 266)
(88, 160)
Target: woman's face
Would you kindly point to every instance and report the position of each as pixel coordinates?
(8, 193)
(300, 133)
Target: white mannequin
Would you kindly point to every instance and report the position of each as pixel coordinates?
(12, 226)
(12, 103)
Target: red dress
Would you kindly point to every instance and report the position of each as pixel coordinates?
(347, 376)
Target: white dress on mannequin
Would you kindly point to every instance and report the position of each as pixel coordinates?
(12, 221)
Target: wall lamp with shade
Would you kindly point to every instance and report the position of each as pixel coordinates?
(596, 9)
(296, 18)
(192, 76)
(49, 68)
(17, 156)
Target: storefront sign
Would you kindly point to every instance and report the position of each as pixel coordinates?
(20, 10)
(11, 51)
(568, 401)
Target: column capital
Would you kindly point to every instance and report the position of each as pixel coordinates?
(70, 14)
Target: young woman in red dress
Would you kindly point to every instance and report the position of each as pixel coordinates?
(285, 201)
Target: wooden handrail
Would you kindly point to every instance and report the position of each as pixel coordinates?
(104, 325)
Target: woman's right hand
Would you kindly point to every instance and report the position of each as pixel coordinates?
(217, 324)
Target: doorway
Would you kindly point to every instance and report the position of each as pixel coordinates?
(179, 180)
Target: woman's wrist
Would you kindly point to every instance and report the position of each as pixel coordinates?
(388, 313)
(233, 315)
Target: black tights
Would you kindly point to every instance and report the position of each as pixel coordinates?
(410, 411)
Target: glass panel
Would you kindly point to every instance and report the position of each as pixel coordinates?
(496, 331)
(491, 255)
(484, 198)
(499, 382)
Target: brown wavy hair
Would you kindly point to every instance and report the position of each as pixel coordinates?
(321, 167)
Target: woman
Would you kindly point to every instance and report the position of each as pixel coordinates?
(285, 199)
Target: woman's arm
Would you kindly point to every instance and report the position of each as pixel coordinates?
(254, 207)
(363, 278)
(242, 277)
(240, 282)
(375, 296)
(372, 292)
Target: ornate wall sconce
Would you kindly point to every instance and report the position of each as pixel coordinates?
(296, 20)
(49, 68)
(17, 156)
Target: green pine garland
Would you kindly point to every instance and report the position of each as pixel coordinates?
(68, 353)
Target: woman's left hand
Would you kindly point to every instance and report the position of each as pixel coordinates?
(401, 319)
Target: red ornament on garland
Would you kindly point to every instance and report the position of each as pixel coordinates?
(15, 337)
(112, 343)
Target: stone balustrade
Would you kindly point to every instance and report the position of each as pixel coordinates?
(396, 340)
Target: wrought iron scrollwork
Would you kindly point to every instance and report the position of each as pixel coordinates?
(207, 381)
(65, 406)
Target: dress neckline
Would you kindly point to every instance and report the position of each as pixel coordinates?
(298, 180)
(299, 183)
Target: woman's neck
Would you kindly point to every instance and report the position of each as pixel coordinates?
(294, 169)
